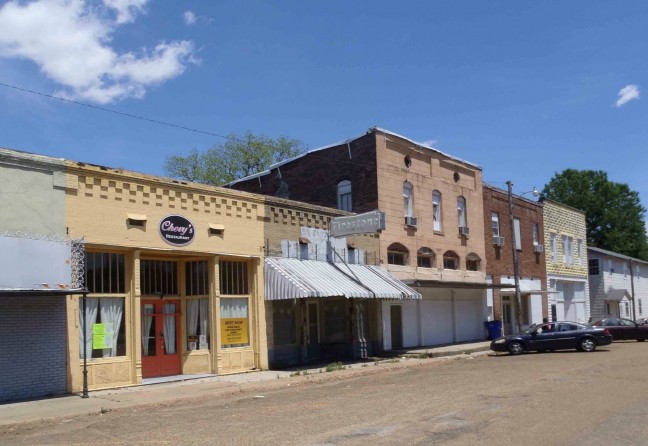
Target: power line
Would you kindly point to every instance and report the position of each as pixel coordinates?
(129, 115)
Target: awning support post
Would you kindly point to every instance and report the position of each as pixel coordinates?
(84, 394)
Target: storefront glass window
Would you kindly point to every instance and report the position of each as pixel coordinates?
(159, 277)
(198, 324)
(234, 322)
(103, 321)
(104, 327)
(283, 321)
(196, 278)
(334, 322)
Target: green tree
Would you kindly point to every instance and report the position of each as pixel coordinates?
(614, 214)
(237, 157)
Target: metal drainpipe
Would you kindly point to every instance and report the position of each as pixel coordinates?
(634, 310)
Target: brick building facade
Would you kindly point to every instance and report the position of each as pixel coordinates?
(434, 236)
(566, 253)
(528, 229)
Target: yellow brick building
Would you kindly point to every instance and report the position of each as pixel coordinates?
(175, 274)
(566, 256)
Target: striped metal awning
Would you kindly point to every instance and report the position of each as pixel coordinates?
(287, 278)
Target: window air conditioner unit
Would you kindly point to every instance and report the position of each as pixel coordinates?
(538, 248)
(463, 230)
(410, 221)
(498, 241)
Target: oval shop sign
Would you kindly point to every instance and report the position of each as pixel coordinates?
(176, 230)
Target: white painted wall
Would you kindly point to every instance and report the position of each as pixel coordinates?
(571, 298)
(527, 287)
(32, 188)
(614, 276)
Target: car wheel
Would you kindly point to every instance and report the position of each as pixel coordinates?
(587, 345)
(641, 340)
(515, 348)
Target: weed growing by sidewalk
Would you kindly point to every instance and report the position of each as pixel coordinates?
(335, 366)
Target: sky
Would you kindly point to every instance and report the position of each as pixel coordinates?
(525, 89)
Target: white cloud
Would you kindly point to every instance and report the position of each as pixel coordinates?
(190, 18)
(627, 94)
(126, 10)
(69, 40)
(430, 142)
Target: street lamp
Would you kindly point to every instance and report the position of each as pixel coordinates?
(516, 263)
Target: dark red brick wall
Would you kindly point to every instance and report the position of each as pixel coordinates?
(313, 178)
(499, 260)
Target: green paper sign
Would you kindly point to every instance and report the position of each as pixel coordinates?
(102, 336)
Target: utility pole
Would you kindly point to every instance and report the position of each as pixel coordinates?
(516, 265)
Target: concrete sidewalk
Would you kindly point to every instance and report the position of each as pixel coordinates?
(175, 389)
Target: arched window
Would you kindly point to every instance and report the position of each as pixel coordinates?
(344, 195)
(408, 199)
(436, 210)
(461, 212)
(450, 260)
(397, 254)
(473, 262)
(425, 258)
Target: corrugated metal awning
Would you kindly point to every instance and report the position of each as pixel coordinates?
(287, 278)
(40, 292)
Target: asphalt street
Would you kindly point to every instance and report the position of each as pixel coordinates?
(560, 398)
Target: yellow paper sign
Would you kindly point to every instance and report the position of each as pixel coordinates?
(234, 330)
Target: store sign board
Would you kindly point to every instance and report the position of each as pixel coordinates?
(176, 230)
(369, 222)
(234, 330)
(35, 264)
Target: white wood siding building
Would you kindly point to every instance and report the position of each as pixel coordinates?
(618, 285)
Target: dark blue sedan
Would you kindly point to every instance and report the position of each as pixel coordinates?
(554, 336)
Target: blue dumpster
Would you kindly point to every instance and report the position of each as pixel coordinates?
(494, 329)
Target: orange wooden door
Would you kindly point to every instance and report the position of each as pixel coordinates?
(160, 338)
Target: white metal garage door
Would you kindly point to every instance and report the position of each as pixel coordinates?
(469, 319)
(436, 321)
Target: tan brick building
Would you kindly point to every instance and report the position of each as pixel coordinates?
(434, 236)
(175, 274)
(566, 253)
(527, 237)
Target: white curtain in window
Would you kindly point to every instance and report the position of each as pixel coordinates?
(495, 224)
(147, 321)
(204, 317)
(436, 210)
(407, 199)
(86, 324)
(193, 310)
(461, 211)
(112, 311)
(518, 233)
(169, 329)
(234, 307)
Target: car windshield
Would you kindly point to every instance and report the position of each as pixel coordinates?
(532, 328)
